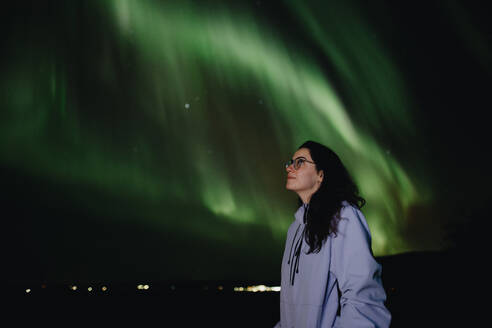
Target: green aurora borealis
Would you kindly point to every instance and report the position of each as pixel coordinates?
(174, 118)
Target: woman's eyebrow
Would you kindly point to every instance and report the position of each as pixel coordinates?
(299, 157)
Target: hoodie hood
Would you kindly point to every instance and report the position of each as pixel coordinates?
(299, 215)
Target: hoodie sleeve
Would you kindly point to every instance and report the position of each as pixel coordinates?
(358, 274)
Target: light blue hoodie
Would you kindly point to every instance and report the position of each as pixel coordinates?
(340, 286)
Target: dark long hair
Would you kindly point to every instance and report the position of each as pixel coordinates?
(337, 186)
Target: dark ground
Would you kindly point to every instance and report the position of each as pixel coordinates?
(425, 289)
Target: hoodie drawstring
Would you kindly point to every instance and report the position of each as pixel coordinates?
(294, 268)
(291, 245)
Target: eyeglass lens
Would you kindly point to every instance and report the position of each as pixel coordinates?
(297, 163)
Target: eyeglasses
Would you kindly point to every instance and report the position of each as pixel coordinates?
(297, 162)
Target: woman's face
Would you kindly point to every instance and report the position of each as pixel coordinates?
(305, 180)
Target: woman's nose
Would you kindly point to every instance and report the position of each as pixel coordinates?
(289, 168)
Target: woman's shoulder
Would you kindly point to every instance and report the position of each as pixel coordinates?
(349, 209)
(352, 217)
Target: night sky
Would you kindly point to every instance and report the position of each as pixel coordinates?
(147, 139)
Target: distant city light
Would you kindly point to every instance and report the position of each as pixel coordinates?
(73, 287)
(28, 290)
(257, 288)
(89, 289)
(104, 288)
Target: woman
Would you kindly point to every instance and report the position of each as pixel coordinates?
(329, 275)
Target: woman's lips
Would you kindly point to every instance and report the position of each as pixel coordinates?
(290, 177)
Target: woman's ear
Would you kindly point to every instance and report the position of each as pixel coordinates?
(320, 176)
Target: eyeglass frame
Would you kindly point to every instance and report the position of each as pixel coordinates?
(295, 160)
